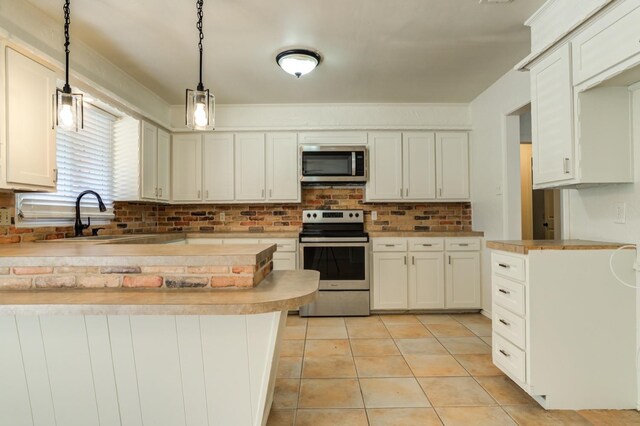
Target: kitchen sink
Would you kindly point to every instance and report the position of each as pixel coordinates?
(90, 239)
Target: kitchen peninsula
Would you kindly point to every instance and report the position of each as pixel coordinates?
(142, 332)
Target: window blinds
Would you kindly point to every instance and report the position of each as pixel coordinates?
(85, 161)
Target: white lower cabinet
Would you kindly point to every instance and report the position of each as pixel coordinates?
(564, 329)
(413, 273)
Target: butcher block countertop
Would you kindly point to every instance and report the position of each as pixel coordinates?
(280, 290)
(524, 246)
(425, 234)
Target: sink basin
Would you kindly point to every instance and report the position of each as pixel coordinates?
(89, 239)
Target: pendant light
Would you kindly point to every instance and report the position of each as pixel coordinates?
(200, 104)
(298, 62)
(68, 105)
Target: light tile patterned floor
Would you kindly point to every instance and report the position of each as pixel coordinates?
(404, 370)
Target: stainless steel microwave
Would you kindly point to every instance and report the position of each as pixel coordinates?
(333, 164)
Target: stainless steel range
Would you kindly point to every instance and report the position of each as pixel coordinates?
(334, 243)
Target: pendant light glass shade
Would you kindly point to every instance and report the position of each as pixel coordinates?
(200, 104)
(298, 62)
(200, 111)
(69, 110)
(68, 106)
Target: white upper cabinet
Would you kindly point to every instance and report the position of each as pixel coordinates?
(187, 167)
(30, 137)
(385, 167)
(552, 118)
(419, 166)
(164, 165)
(218, 167)
(452, 165)
(283, 177)
(250, 167)
(332, 138)
(149, 170)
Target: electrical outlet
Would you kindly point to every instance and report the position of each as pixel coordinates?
(5, 217)
(374, 215)
(621, 214)
(222, 216)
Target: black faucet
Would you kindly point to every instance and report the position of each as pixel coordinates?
(79, 227)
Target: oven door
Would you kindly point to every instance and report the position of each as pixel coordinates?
(342, 266)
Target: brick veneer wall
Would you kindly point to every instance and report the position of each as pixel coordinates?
(144, 218)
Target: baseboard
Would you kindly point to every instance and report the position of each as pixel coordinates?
(486, 313)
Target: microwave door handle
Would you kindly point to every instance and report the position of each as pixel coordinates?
(353, 163)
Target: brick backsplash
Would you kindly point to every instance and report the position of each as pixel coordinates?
(145, 218)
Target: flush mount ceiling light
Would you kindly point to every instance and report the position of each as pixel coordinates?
(69, 108)
(298, 62)
(200, 104)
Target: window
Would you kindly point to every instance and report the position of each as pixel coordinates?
(85, 161)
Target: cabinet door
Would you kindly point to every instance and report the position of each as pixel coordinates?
(552, 118)
(250, 161)
(187, 168)
(385, 166)
(149, 162)
(283, 177)
(419, 166)
(462, 277)
(390, 281)
(163, 165)
(452, 159)
(31, 140)
(217, 164)
(426, 280)
(284, 261)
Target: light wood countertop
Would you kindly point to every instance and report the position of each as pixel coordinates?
(425, 234)
(524, 246)
(280, 290)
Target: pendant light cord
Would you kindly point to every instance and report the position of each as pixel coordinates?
(199, 4)
(67, 22)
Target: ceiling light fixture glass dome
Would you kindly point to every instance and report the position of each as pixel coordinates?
(298, 62)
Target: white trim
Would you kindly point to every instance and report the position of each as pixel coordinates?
(486, 313)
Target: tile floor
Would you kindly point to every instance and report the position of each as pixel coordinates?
(404, 370)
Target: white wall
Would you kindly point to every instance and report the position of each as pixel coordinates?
(490, 178)
(26, 26)
(334, 116)
(592, 211)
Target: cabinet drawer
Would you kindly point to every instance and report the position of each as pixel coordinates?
(241, 241)
(610, 40)
(508, 266)
(284, 244)
(462, 244)
(509, 358)
(426, 244)
(389, 244)
(509, 325)
(508, 294)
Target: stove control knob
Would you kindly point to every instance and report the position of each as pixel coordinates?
(357, 214)
(351, 215)
(308, 214)
(315, 215)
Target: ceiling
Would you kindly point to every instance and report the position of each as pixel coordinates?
(373, 50)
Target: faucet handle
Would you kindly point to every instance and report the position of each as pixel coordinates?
(88, 223)
(95, 231)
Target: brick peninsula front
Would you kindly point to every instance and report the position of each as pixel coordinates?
(144, 333)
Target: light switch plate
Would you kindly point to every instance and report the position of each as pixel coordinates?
(374, 215)
(5, 217)
(222, 216)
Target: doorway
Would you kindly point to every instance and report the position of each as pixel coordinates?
(539, 207)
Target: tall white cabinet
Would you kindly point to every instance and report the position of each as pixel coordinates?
(418, 166)
(29, 136)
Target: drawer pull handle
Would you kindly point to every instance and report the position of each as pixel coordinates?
(504, 291)
(504, 322)
(427, 245)
(389, 245)
(463, 244)
(504, 265)
(505, 353)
